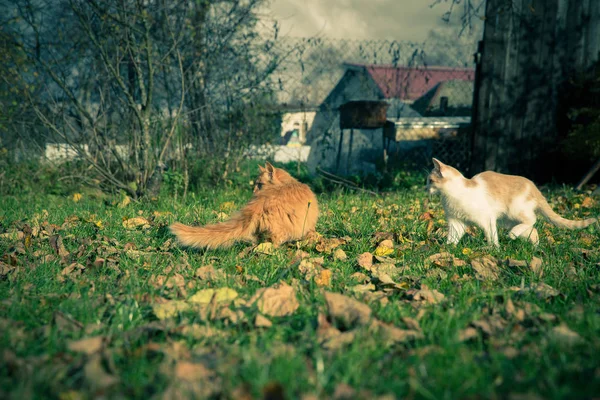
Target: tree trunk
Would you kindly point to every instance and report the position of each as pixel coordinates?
(530, 48)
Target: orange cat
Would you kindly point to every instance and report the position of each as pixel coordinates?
(281, 208)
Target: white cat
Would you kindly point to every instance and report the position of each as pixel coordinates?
(490, 198)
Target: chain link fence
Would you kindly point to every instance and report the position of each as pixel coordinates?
(426, 90)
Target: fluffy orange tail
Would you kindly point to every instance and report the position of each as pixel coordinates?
(213, 236)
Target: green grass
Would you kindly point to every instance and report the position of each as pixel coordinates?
(512, 352)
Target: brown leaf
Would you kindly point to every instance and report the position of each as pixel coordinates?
(96, 376)
(365, 260)
(360, 277)
(66, 323)
(209, 273)
(323, 278)
(486, 268)
(135, 222)
(395, 334)
(262, 322)
(536, 266)
(369, 287)
(340, 255)
(88, 346)
(192, 372)
(278, 300)
(467, 334)
(193, 381)
(588, 202)
(445, 260)
(542, 290)
(198, 331)
(512, 263)
(6, 269)
(563, 335)
(330, 337)
(56, 243)
(344, 391)
(347, 311)
(327, 245)
(430, 296)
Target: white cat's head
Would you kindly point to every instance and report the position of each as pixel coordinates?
(441, 177)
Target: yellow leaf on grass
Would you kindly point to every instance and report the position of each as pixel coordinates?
(132, 223)
(385, 248)
(77, 197)
(169, 309)
(221, 295)
(265, 248)
(323, 278)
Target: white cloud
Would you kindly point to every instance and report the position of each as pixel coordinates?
(358, 19)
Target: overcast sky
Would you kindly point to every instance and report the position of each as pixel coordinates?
(358, 19)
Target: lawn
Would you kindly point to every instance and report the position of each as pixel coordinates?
(97, 300)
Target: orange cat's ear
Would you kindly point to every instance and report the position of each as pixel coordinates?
(261, 168)
(270, 169)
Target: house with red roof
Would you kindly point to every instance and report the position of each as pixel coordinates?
(422, 102)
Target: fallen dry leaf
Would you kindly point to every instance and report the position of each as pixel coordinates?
(169, 308)
(343, 391)
(96, 376)
(369, 287)
(360, 277)
(221, 295)
(330, 337)
(445, 260)
(88, 346)
(327, 245)
(264, 248)
(192, 381)
(542, 290)
(209, 273)
(563, 335)
(385, 248)
(56, 243)
(536, 266)
(467, 334)
(278, 300)
(588, 202)
(191, 372)
(340, 255)
(395, 334)
(262, 322)
(323, 278)
(427, 295)
(66, 323)
(486, 268)
(365, 260)
(347, 311)
(135, 222)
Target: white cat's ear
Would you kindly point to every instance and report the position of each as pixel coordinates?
(438, 166)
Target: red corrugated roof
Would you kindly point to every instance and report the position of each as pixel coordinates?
(410, 83)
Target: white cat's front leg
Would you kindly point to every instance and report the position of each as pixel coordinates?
(456, 230)
(491, 232)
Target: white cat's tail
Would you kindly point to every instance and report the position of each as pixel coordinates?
(559, 221)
